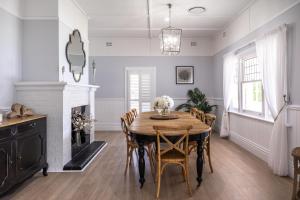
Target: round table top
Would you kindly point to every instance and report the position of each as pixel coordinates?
(143, 125)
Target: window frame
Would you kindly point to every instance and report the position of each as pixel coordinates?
(245, 55)
(138, 69)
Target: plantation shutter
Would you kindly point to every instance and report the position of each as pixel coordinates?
(140, 88)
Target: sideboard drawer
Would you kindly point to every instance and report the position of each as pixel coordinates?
(7, 132)
(29, 127)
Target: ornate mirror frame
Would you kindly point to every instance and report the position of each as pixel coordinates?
(76, 75)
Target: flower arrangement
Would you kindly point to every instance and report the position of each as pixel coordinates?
(80, 122)
(163, 104)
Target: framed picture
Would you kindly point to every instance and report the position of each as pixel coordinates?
(184, 74)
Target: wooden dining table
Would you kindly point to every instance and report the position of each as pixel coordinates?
(143, 132)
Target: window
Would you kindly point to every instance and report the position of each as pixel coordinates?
(140, 88)
(248, 94)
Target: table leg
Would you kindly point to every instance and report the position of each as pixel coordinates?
(200, 160)
(141, 163)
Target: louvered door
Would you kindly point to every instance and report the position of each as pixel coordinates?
(140, 88)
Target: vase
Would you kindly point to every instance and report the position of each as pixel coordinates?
(78, 138)
(165, 112)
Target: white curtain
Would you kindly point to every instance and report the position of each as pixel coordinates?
(229, 65)
(272, 56)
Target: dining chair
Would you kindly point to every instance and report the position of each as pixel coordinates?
(208, 119)
(193, 111)
(134, 111)
(173, 152)
(130, 117)
(132, 145)
(200, 115)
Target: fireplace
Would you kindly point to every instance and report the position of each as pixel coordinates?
(84, 134)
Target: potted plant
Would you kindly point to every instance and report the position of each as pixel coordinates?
(197, 99)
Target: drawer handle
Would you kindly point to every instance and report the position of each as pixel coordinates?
(32, 124)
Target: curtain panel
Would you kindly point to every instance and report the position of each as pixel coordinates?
(230, 64)
(271, 52)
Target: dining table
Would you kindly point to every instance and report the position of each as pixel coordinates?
(142, 131)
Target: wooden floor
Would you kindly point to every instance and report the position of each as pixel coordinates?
(238, 175)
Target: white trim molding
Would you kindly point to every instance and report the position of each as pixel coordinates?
(250, 146)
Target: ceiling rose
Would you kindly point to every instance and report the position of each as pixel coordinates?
(197, 10)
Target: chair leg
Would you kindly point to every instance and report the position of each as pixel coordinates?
(127, 160)
(183, 173)
(158, 180)
(187, 178)
(131, 155)
(208, 155)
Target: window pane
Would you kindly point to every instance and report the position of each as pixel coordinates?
(252, 96)
(146, 106)
(133, 86)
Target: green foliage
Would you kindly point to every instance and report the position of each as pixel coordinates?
(197, 99)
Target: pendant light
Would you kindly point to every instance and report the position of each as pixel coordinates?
(170, 38)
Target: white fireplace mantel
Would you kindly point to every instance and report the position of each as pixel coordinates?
(56, 99)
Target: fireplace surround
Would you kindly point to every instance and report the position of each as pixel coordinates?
(56, 99)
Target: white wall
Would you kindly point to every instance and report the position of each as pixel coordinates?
(72, 17)
(147, 47)
(255, 16)
(11, 51)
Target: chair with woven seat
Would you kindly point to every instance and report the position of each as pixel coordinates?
(132, 145)
(173, 152)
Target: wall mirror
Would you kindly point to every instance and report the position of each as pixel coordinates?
(76, 55)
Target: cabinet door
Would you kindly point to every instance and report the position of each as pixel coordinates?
(29, 153)
(5, 154)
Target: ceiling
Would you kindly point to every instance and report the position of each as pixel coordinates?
(129, 18)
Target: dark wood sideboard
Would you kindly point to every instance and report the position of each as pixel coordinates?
(22, 150)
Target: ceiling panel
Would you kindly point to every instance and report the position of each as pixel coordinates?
(129, 17)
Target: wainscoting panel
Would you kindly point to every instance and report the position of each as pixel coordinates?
(251, 134)
(293, 133)
(108, 112)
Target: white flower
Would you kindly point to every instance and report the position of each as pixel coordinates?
(163, 102)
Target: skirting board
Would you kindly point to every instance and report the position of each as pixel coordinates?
(250, 146)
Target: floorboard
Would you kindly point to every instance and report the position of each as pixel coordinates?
(238, 175)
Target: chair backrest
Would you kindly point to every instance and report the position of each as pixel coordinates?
(130, 117)
(193, 111)
(125, 127)
(134, 111)
(210, 119)
(200, 115)
(182, 133)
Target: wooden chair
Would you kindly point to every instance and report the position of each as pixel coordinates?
(132, 145)
(200, 115)
(208, 119)
(193, 111)
(134, 111)
(173, 153)
(130, 117)
(296, 186)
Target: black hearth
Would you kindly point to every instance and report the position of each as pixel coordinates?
(82, 153)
